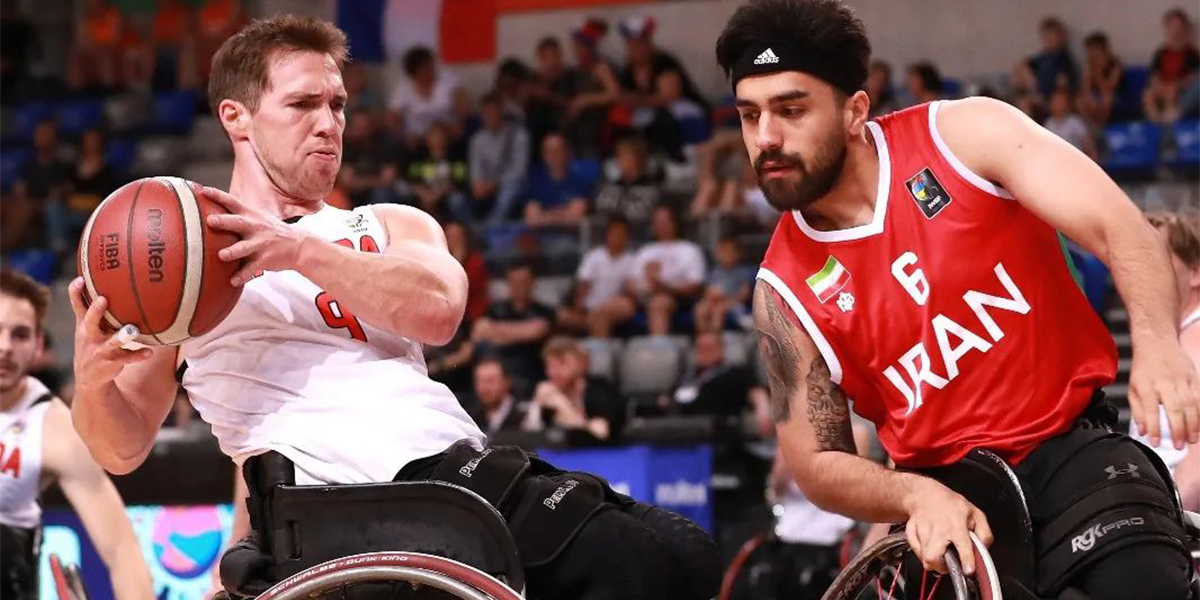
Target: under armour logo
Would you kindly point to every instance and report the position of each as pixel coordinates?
(1113, 471)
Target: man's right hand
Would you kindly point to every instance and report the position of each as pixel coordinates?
(939, 517)
(99, 356)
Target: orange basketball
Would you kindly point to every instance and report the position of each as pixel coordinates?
(148, 250)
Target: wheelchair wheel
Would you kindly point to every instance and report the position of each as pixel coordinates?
(391, 575)
(889, 570)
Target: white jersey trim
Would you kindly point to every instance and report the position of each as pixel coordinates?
(835, 366)
(971, 177)
(881, 200)
(1189, 320)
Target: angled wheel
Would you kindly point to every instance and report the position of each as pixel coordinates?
(889, 570)
(409, 571)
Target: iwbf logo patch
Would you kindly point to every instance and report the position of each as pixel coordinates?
(931, 197)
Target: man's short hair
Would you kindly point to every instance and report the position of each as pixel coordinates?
(241, 67)
(491, 360)
(1052, 23)
(548, 43)
(1183, 235)
(931, 80)
(827, 26)
(1096, 38)
(561, 345)
(19, 285)
(416, 58)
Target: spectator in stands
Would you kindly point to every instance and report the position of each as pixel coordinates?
(557, 193)
(1036, 78)
(668, 275)
(499, 159)
(1181, 233)
(684, 121)
(1101, 80)
(45, 181)
(216, 21)
(20, 49)
(601, 278)
(514, 329)
(1066, 123)
(438, 177)
(551, 91)
(362, 98)
(716, 388)
(92, 179)
(370, 162)
(170, 45)
(572, 400)
(719, 173)
(879, 89)
(458, 242)
(924, 83)
(727, 297)
(644, 63)
(514, 84)
(429, 97)
(1173, 74)
(595, 91)
(97, 53)
(635, 191)
(497, 410)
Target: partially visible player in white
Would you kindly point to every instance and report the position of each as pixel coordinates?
(320, 359)
(39, 447)
(1181, 233)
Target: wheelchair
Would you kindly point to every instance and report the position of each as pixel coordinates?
(424, 540)
(889, 569)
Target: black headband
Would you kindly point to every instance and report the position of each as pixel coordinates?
(839, 71)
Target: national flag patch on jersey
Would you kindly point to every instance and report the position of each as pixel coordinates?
(931, 197)
(829, 280)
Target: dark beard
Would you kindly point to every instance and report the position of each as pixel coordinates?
(812, 183)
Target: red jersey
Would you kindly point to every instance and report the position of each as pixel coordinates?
(951, 320)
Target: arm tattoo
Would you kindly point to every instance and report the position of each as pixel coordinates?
(827, 409)
(782, 357)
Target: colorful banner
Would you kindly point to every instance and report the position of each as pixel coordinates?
(181, 545)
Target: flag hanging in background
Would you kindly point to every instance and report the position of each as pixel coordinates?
(380, 30)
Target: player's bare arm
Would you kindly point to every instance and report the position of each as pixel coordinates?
(414, 289)
(1071, 193)
(121, 396)
(98, 504)
(812, 420)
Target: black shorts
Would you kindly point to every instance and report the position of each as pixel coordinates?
(1090, 493)
(19, 567)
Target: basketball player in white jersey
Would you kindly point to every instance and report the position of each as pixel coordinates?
(1182, 235)
(38, 447)
(320, 361)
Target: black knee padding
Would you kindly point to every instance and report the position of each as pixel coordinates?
(245, 569)
(1142, 571)
(695, 551)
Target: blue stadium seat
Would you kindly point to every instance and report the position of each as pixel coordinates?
(39, 264)
(952, 88)
(26, 117)
(76, 116)
(1127, 105)
(1132, 147)
(11, 162)
(1187, 144)
(174, 111)
(121, 154)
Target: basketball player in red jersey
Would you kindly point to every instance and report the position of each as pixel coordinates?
(916, 272)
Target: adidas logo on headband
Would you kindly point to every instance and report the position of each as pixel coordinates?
(767, 57)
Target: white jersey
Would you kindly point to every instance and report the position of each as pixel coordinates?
(288, 370)
(21, 442)
(799, 521)
(1166, 448)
